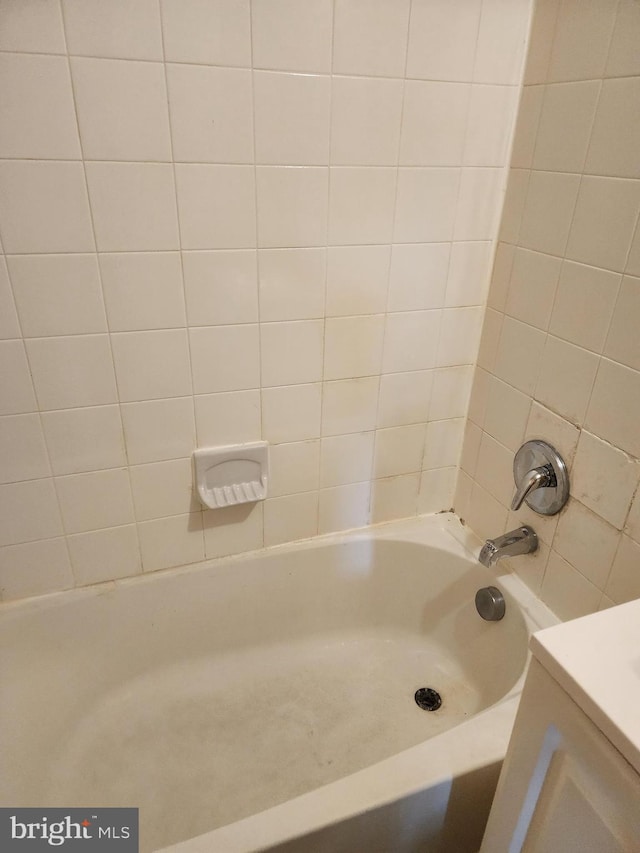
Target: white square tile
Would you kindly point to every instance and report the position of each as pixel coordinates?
(587, 542)
(365, 121)
(450, 392)
(501, 41)
(93, 501)
(443, 444)
(566, 591)
(104, 555)
(16, 387)
(44, 207)
(459, 336)
(478, 204)
(584, 304)
(437, 489)
(122, 109)
(9, 326)
(23, 453)
(370, 38)
(143, 290)
(567, 374)
(541, 31)
(161, 489)
(221, 287)
(507, 413)
(411, 341)
(615, 140)
(291, 413)
(633, 260)
(158, 429)
(472, 436)
(353, 346)
(581, 40)
(346, 459)
(548, 211)
(291, 353)
(292, 283)
(533, 287)
(426, 205)
(117, 28)
(494, 469)
(485, 515)
(292, 36)
(434, 119)
(34, 568)
(225, 358)
(57, 294)
(233, 529)
(349, 405)
(394, 497)
(615, 203)
(624, 582)
(399, 450)
(404, 398)
(151, 365)
(292, 206)
(231, 417)
(478, 397)
(632, 526)
(514, 205)
(361, 205)
(526, 126)
(500, 276)
(72, 371)
(566, 120)
(37, 116)
(357, 280)
(290, 518)
(623, 51)
(418, 277)
(492, 111)
(32, 27)
(462, 495)
(614, 407)
(559, 432)
(81, 440)
(622, 340)
(519, 355)
(207, 32)
(344, 507)
(211, 114)
(468, 274)
(170, 542)
(133, 205)
(489, 339)
(293, 467)
(292, 118)
(604, 479)
(442, 39)
(28, 511)
(216, 206)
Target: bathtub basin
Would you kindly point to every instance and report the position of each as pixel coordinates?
(266, 702)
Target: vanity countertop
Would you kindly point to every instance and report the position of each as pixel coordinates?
(596, 659)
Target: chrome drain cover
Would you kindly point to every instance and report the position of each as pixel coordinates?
(428, 699)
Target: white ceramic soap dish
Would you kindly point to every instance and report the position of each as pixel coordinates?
(233, 474)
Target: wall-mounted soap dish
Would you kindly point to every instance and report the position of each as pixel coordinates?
(233, 474)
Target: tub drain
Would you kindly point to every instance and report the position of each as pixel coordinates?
(428, 699)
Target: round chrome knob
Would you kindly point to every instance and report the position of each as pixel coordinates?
(490, 603)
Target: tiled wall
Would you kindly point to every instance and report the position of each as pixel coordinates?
(228, 220)
(560, 352)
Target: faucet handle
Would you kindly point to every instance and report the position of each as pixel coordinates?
(537, 478)
(541, 477)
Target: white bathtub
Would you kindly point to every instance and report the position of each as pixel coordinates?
(265, 702)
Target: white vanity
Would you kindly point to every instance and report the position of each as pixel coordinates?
(571, 778)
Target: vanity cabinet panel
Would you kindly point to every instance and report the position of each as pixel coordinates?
(564, 787)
